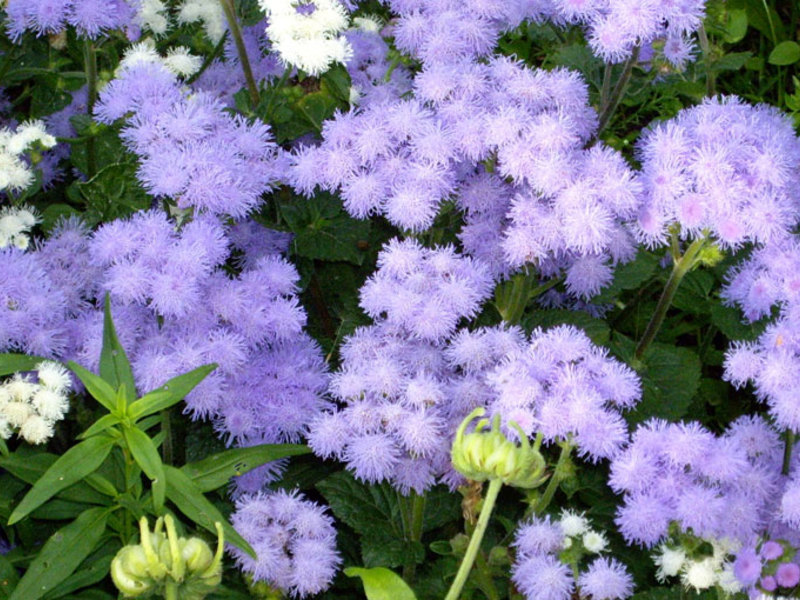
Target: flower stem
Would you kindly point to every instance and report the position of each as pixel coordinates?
(90, 66)
(608, 109)
(679, 270)
(414, 531)
(475, 541)
(552, 485)
(788, 444)
(705, 46)
(236, 33)
(171, 591)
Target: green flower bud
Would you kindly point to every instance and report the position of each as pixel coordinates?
(483, 455)
(129, 572)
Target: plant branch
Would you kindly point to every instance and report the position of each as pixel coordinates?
(236, 32)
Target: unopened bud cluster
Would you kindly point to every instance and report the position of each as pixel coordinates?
(167, 565)
(488, 454)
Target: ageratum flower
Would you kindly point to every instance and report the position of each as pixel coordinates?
(294, 540)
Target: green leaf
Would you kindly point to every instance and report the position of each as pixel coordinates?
(317, 107)
(336, 80)
(100, 425)
(730, 322)
(191, 502)
(217, 470)
(62, 554)
(785, 53)
(382, 548)
(323, 230)
(14, 363)
(146, 456)
(382, 584)
(8, 577)
(737, 26)
(732, 61)
(114, 192)
(365, 508)
(98, 387)
(172, 392)
(670, 378)
(114, 365)
(629, 276)
(75, 464)
(93, 569)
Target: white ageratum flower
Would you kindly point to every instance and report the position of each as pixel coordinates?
(669, 561)
(306, 33)
(573, 524)
(15, 174)
(152, 15)
(209, 13)
(594, 541)
(700, 574)
(178, 60)
(34, 407)
(15, 224)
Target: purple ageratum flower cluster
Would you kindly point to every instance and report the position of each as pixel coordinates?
(563, 386)
(715, 487)
(615, 27)
(424, 292)
(724, 168)
(773, 565)
(294, 540)
(539, 573)
(190, 149)
(769, 279)
(89, 17)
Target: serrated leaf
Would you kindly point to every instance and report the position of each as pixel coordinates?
(670, 378)
(114, 192)
(75, 464)
(729, 321)
(98, 387)
(785, 53)
(382, 584)
(146, 456)
(217, 470)
(192, 503)
(172, 392)
(114, 365)
(381, 548)
(629, 276)
(323, 230)
(317, 107)
(14, 363)
(61, 554)
(336, 80)
(365, 508)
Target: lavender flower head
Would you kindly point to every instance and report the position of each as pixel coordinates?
(563, 386)
(294, 540)
(723, 168)
(715, 487)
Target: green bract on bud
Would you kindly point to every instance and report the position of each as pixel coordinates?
(164, 560)
(489, 454)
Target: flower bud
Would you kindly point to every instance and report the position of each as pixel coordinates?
(483, 455)
(129, 572)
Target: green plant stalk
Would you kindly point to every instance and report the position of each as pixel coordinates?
(552, 485)
(90, 66)
(788, 445)
(171, 590)
(679, 270)
(413, 526)
(454, 593)
(236, 32)
(167, 448)
(607, 110)
(606, 89)
(483, 575)
(705, 46)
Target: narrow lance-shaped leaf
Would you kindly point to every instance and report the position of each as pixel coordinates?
(382, 584)
(62, 554)
(191, 502)
(216, 470)
(114, 365)
(100, 389)
(75, 464)
(14, 363)
(146, 456)
(172, 392)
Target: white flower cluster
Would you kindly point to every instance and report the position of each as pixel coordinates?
(700, 573)
(15, 223)
(33, 407)
(209, 13)
(15, 174)
(152, 15)
(575, 526)
(178, 60)
(305, 33)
